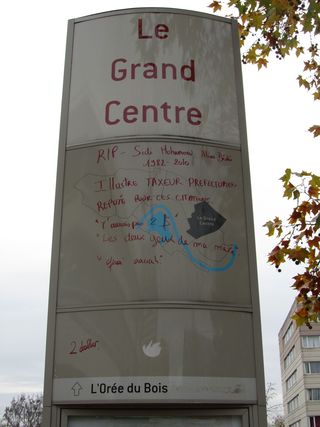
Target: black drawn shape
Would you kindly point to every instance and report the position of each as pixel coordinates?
(204, 220)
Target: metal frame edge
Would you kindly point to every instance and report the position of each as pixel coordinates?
(252, 265)
(48, 415)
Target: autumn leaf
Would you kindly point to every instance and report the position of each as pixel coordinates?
(315, 180)
(302, 312)
(305, 207)
(286, 177)
(262, 63)
(300, 320)
(276, 256)
(299, 51)
(216, 6)
(300, 254)
(303, 82)
(295, 216)
(315, 130)
(289, 189)
(313, 191)
(271, 228)
(285, 243)
(296, 194)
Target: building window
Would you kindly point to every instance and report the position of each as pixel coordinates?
(296, 424)
(313, 393)
(310, 341)
(312, 367)
(291, 380)
(289, 358)
(314, 421)
(288, 333)
(293, 404)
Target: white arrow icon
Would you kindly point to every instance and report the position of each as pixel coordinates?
(76, 389)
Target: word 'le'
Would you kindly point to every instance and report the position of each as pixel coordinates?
(160, 31)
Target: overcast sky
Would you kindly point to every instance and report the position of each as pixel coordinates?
(33, 38)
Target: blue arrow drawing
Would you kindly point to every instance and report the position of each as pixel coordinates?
(156, 221)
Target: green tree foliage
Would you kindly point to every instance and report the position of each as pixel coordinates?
(23, 411)
(278, 28)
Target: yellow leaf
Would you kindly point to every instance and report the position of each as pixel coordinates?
(316, 95)
(251, 56)
(271, 227)
(286, 177)
(299, 51)
(303, 82)
(300, 320)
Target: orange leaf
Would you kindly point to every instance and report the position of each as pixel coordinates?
(215, 5)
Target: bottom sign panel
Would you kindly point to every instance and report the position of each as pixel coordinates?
(219, 421)
(154, 353)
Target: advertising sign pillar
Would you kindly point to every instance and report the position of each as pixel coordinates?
(153, 311)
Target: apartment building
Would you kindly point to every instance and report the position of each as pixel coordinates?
(300, 373)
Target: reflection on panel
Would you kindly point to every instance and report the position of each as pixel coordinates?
(181, 84)
(155, 342)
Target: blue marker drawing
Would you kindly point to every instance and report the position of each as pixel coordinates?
(157, 222)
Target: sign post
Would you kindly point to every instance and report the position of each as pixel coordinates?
(153, 296)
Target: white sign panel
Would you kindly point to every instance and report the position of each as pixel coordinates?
(156, 221)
